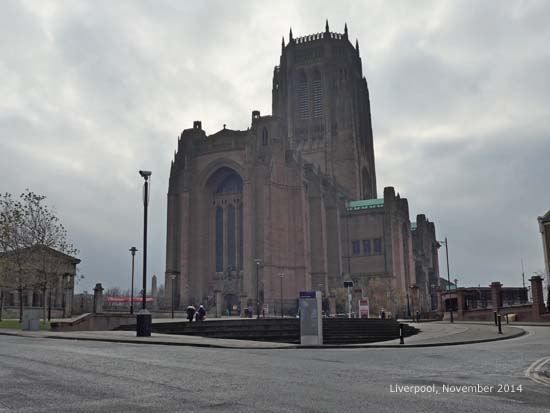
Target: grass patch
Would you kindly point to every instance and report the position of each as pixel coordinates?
(16, 325)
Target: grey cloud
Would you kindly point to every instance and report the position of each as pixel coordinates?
(94, 91)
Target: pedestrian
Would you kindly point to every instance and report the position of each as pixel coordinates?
(201, 313)
(191, 312)
(383, 315)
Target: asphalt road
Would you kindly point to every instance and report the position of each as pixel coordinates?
(63, 375)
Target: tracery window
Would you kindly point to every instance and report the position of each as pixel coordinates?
(317, 95)
(302, 97)
(219, 239)
(231, 232)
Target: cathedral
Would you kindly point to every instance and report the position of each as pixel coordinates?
(291, 204)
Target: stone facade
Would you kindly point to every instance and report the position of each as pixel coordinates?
(426, 262)
(544, 227)
(261, 214)
(48, 281)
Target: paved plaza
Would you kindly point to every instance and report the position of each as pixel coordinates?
(40, 374)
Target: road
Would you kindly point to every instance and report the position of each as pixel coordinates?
(64, 375)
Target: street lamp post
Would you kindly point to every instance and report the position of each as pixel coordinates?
(258, 263)
(448, 277)
(173, 278)
(133, 250)
(143, 325)
(282, 274)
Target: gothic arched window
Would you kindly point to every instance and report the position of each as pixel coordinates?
(302, 101)
(317, 94)
(233, 183)
(265, 137)
(231, 232)
(219, 239)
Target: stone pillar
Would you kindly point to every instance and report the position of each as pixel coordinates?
(496, 295)
(415, 302)
(244, 305)
(219, 302)
(332, 304)
(538, 297)
(154, 290)
(460, 304)
(98, 299)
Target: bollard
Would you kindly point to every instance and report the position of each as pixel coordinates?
(401, 340)
(495, 313)
(499, 325)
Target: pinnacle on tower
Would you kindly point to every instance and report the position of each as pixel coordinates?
(357, 45)
(290, 36)
(283, 43)
(326, 27)
(346, 29)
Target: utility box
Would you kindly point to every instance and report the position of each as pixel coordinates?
(31, 319)
(311, 318)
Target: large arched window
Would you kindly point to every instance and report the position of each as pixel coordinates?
(302, 101)
(219, 239)
(226, 187)
(232, 184)
(317, 94)
(231, 234)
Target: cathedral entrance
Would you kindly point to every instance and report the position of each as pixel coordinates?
(231, 304)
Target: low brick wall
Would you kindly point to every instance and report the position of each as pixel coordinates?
(522, 312)
(94, 322)
(13, 312)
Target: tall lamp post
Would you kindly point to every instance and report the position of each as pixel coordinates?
(133, 250)
(282, 274)
(258, 263)
(173, 278)
(143, 325)
(448, 276)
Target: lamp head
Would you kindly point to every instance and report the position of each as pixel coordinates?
(145, 174)
(133, 250)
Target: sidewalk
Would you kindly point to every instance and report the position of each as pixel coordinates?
(431, 334)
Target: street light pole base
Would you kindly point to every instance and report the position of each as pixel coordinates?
(143, 323)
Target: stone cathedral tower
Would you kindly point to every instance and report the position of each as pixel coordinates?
(322, 100)
(288, 205)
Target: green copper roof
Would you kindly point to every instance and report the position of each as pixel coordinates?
(365, 204)
(413, 226)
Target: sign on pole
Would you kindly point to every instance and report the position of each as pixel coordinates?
(364, 308)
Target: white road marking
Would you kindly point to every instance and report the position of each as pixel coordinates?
(535, 371)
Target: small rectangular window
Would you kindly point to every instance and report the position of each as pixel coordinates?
(356, 247)
(366, 247)
(377, 244)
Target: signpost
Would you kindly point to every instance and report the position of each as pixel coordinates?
(349, 286)
(311, 322)
(364, 308)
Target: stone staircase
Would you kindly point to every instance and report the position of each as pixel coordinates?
(361, 330)
(335, 330)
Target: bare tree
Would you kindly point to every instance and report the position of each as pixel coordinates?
(33, 244)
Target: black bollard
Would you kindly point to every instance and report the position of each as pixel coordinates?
(499, 325)
(401, 340)
(495, 317)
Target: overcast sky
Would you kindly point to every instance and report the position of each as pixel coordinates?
(93, 91)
